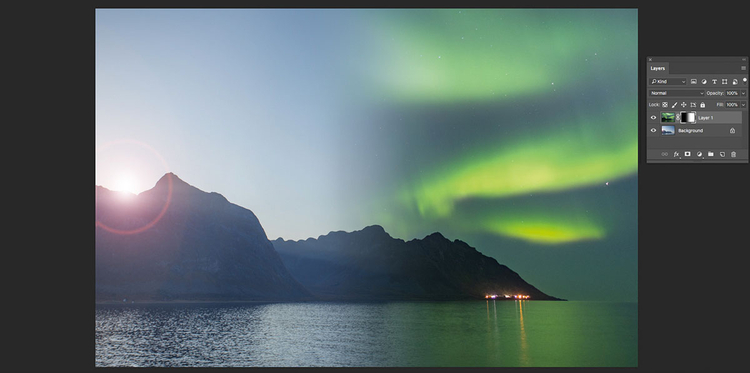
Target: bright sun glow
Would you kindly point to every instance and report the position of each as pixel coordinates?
(126, 183)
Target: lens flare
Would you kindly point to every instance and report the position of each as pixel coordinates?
(130, 182)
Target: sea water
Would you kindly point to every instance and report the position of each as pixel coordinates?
(368, 334)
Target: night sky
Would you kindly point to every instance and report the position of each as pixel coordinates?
(512, 130)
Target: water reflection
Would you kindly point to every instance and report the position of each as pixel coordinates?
(494, 306)
(417, 334)
(524, 345)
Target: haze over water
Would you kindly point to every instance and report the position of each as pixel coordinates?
(465, 333)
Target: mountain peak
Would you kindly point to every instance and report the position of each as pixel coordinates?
(375, 231)
(374, 228)
(178, 185)
(435, 235)
(169, 175)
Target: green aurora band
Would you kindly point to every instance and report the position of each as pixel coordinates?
(551, 166)
(536, 223)
(564, 159)
(515, 56)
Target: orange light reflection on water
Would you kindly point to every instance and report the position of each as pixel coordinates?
(524, 344)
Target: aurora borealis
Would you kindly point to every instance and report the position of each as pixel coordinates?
(456, 55)
(530, 165)
(498, 127)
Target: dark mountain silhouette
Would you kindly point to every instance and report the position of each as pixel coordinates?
(370, 264)
(176, 242)
(202, 247)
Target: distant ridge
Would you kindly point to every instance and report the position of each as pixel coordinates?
(370, 264)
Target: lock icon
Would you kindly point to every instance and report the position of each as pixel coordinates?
(734, 154)
(731, 130)
(703, 105)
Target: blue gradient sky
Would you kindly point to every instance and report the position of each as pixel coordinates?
(496, 127)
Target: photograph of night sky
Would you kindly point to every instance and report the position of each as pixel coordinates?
(366, 187)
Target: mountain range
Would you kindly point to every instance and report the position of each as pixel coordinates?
(176, 242)
(202, 248)
(370, 264)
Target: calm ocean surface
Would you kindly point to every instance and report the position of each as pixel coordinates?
(467, 333)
